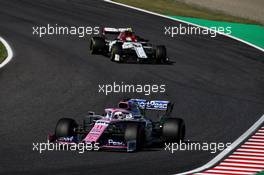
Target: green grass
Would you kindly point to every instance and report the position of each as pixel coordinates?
(175, 8)
(3, 53)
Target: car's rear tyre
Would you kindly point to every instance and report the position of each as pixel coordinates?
(97, 45)
(135, 132)
(65, 127)
(116, 53)
(161, 54)
(173, 130)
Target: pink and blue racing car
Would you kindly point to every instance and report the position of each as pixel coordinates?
(126, 127)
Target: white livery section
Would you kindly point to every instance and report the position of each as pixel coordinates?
(116, 30)
(137, 47)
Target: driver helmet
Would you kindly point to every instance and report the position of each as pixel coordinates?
(118, 115)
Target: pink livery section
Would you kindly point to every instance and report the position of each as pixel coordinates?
(96, 132)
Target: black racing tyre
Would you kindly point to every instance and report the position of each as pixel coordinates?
(116, 50)
(97, 45)
(173, 130)
(135, 132)
(65, 127)
(161, 54)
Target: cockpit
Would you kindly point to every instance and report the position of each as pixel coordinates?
(127, 36)
(118, 114)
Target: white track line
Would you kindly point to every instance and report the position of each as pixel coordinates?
(227, 151)
(9, 53)
(238, 169)
(250, 154)
(251, 146)
(260, 134)
(228, 172)
(246, 157)
(208, 174)
(250, 150)
(254, 143)
(257, 140)
(258, 137)
(244, 161)
(242, 165)
(168, 17)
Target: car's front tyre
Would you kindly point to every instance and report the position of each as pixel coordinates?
(97, 45)
(135, 132)
(65, 127)
(161, 54)
(116, 53)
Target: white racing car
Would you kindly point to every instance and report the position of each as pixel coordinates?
(126, 46)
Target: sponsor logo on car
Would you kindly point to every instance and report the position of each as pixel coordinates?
(111, 142)
(159, 105)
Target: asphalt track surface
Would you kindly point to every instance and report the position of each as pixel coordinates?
(216, 83)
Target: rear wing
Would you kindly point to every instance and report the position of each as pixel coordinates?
(110, 30)
(153, 104)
